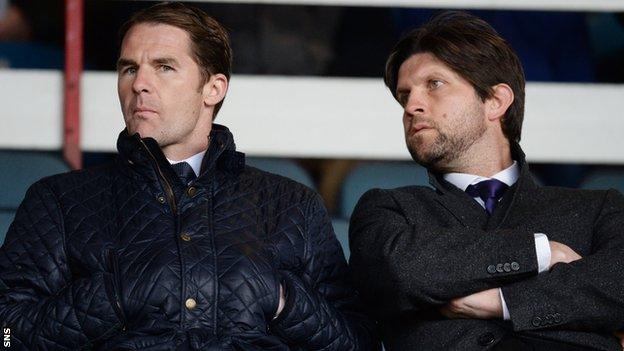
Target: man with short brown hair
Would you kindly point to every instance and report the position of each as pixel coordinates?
(487, 259)
(178, 245)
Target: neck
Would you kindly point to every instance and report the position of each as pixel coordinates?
(183, 150)
(483, 159)
(180, 152)
(196, 142)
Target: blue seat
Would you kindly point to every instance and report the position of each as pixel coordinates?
(282, 166)
(31, 55)
(18, 170)
(384, 175)
(341, 228)
(604, 179)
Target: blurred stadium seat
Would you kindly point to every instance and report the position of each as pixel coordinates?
(18, 170)
(30, 55)
(282, 166)
(604, 179)
(385, 175)
(341, 228)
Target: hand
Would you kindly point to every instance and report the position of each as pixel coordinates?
(620, 335)
(482, 305)
(561, 253)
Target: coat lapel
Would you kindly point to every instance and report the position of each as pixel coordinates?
(458, 203)
(470, 214)
(515, 201)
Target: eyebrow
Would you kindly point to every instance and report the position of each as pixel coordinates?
(165, 61)
(123, 62)
(402, 91)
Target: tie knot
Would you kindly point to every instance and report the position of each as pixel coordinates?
(184, 171)
(490, 191)
(487, 189)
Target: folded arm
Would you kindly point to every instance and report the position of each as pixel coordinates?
(404, 263)
(584, 293)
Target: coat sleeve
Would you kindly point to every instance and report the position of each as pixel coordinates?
(44, 307)
(587, 294)
(402, 263)
(322, 311)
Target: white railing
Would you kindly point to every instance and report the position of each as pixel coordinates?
(315, 117)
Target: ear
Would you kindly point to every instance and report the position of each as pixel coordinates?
(215, 89)
(496, 106)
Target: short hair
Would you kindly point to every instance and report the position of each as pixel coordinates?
(210, 45)
(474, 50)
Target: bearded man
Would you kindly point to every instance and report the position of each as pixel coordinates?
(487, 258)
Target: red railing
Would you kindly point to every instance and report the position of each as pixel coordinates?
(73, 70)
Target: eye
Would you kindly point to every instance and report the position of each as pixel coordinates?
(435, 84)
(165, 68)
(402, 98)
(129, 70)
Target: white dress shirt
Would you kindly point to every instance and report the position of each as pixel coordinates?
(508, 176)
(194, 161)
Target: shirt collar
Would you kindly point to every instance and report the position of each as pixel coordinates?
(508, 176)
(194, 161)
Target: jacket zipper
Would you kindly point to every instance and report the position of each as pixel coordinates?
(168, 190)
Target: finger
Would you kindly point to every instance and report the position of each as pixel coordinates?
(620, 336)
(447, 312)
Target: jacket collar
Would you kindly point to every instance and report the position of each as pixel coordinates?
(467, 211)
(146, 157)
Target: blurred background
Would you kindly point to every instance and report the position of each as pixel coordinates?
(307, 99)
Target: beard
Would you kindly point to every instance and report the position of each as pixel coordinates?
(450, 143)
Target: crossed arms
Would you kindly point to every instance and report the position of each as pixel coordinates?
(410, 266)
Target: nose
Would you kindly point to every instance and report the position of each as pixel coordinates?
(415, 104)
(142, 81)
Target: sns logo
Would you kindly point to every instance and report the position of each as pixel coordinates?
(7, 337)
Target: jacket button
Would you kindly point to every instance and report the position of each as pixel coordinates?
(499, 268)
(507, 267)
(558, 318)
(191, 191)
(537, 321)
(486, 339)
(161, 199)
(491, 269)
(185, 237)
(190, 304)
(515, 266)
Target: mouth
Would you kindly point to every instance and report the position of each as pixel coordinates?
(142, 111)
(419, 127)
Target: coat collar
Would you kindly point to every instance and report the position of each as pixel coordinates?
(468, 212)
(145, 156)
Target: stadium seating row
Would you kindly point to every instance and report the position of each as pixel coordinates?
(19, 169)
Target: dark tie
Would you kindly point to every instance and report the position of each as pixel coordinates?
(184, 171)
(490, 191)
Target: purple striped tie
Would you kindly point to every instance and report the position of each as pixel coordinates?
(490, 191)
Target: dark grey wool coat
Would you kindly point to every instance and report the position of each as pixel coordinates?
(415, 248)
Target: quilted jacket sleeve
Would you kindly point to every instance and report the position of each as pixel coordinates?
(322, 312)
(39, 301)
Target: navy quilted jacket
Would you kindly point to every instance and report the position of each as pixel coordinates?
(128, 257)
